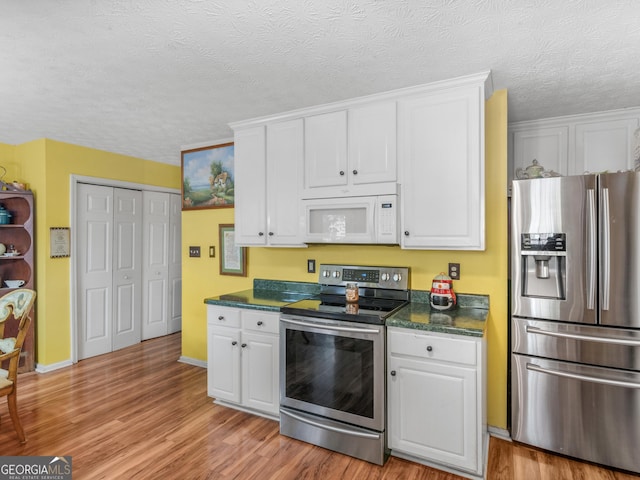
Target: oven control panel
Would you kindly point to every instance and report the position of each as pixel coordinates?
(396, 278)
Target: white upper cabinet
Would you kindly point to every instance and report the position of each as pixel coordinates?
(372, 143)
(284, 178)
(441, 158)
(549, 146)
(602, 146)
(351, 152)
(425, 143)
(575, 144)
(268, 166)
(325, 150)
(250, 186)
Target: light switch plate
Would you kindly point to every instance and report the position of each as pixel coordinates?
(311, 266)
(194, 251)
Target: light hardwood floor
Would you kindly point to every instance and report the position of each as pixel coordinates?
(139, 413)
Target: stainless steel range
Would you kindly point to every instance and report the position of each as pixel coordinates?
(332, 360)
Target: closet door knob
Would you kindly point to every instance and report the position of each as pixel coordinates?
(406, 233)
(260, 322)
(393, 373)
(341, 172)
(234, 343)
(355, 172)
(429, 348)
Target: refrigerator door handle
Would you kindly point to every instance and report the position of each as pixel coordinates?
(591, 250)
(588, 338)
(606, 250)
(576, 376)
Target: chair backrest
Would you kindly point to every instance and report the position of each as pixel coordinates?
(17, 303)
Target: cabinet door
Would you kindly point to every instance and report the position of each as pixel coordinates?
(223, 363)
(250, 187)
(602, 146)
(260, 386)
(325, 150)
(549, 146)
(433, 411)
(284, 176)
(372, 143)
(441, 156)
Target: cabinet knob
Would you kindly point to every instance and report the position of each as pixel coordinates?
(341, 172)
(355, 172)
(429, 348)
(393, 373)
(260, 234)
(221, 318)
(406, 233)
(271, 234)
(260, 322)
(243, 345)
(234, 343)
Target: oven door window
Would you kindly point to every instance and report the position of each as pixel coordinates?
(332, 371)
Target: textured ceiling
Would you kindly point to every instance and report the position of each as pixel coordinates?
(145, 77)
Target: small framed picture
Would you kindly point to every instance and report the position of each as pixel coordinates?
(233, 259)
(59, 242)
(207, 177)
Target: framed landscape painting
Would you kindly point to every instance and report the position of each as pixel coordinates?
(207, 177)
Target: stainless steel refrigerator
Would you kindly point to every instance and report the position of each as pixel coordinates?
(575, 326)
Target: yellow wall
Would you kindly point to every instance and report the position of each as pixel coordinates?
(46, 165)
(482, 272)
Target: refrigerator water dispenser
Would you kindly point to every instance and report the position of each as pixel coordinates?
(543, 257)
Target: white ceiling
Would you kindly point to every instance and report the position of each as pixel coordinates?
(146, 77)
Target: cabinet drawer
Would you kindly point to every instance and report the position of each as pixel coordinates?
(223, 316)
(409, 343)
(260, 321)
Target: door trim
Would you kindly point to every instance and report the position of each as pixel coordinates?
(74, 180)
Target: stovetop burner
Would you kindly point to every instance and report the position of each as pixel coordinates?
(365, 311)
(383, 290)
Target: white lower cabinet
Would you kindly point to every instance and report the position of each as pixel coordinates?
(242, 363)
(436, 399)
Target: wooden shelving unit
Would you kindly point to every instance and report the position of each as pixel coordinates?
(21, 266)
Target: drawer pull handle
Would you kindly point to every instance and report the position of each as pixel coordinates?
(234, 343)
(429, 348)
(406, 233)
(221, 318)
(260, 234)
(260, 322)
(341, 172)
(243, 345)
(393, 373)
(355, 172)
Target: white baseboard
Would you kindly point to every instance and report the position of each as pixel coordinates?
(500, 433)
(40, 368)
(193, 361)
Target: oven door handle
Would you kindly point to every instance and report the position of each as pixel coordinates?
(329, 327)
(330, 428)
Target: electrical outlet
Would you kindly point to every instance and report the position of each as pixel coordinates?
(454, 271)
(194, 251)
(311, 266)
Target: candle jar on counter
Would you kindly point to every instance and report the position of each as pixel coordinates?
(351, 292)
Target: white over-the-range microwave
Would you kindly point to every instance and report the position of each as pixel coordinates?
(368, 219)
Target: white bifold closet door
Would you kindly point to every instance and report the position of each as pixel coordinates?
(161, 265)
(109, 269)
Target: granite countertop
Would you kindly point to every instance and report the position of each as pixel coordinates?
(468, 318)
(268, 295)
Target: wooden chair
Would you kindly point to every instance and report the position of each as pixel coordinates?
(18, 304)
